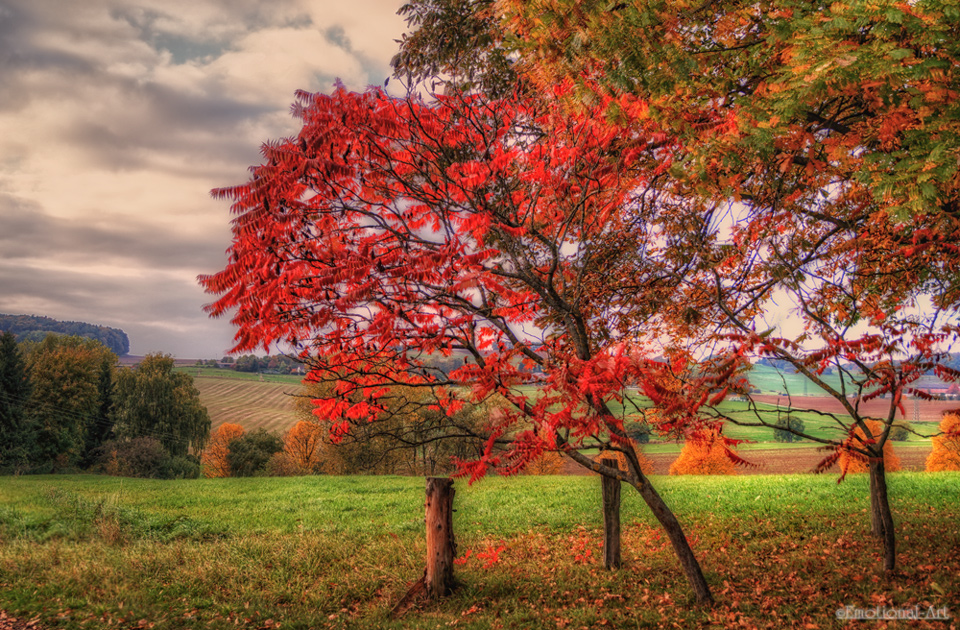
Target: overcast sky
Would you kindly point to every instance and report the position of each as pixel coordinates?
(117, 117)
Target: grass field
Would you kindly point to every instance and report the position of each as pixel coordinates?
(337, 552)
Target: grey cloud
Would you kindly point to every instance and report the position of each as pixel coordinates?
(170, 122)
(27, 232)
(158, 313)
(181, 47)
(337, 36)
(195, 135)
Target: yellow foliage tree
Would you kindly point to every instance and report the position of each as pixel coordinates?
(946, 448)
(214, 459)
(853, 462)
(302, 445)
(704, 454)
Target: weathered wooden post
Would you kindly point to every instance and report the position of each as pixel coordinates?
(441, 547)
(611, 517)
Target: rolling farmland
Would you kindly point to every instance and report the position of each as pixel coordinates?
(243, 399)
(249, 403)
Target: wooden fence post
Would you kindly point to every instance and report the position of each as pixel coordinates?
(611, 518)
(441, 546)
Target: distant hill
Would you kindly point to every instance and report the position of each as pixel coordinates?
(36, 327)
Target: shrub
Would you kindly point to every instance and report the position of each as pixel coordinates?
(853, 462)
(946, 448)
(139, 457)
(705, 453)
(639, 432)
(186, 467)
(282, 465)
(143, 457)
(782, 434)
(900, 431)
(249, 454)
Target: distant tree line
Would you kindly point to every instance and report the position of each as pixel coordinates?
(65, 405)
(36, 328)
(270, 364)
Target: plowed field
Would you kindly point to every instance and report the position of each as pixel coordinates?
(251, 404)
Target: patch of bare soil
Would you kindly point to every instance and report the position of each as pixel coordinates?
(774, 461)
(913, 409)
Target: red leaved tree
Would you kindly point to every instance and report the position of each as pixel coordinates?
(525, 242)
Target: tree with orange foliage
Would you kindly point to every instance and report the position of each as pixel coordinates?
(946, 447)
(214, 459)
(302, 444)
(854, 461)
(549, 463)
(646, 466)
(705, 453)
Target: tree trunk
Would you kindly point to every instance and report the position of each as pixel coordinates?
(663, 514)
(678, 539)
(876, 518)
(611, 518)
(441, 547)
(880, 509)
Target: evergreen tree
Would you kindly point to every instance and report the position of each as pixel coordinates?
(16, 438)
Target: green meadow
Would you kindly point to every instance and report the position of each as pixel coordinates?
(338, 552)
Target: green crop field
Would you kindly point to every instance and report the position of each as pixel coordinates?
(199, 372)
(337, 552)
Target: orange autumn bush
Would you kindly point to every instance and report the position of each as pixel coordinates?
(214, 459)
(704, 454)
(853, 462)
(946, 448)
(549, 463)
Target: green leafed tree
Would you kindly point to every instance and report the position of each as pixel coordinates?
(455, 44)
(71, 379)
(16, 435)
(789, 429)
(151, 400)
(250, 453)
